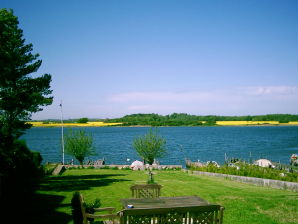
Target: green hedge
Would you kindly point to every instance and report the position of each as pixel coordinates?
(249, 170)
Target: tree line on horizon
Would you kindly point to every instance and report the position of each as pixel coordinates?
(179, 119)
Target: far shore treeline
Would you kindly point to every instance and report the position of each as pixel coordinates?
(183, 119)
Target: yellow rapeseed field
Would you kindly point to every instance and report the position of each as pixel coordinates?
(103, 124)
(88, 124)
(247, 122)
(293, 123)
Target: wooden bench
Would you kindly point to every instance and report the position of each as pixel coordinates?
(145, 190)
(210, 214)
(107, 218)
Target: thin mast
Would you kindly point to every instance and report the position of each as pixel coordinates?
(62, 135)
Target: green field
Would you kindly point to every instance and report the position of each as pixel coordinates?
(243, 203)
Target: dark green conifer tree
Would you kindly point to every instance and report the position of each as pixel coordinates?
(22, 92)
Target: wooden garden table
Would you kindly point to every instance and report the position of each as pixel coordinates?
(182, 210)
(163, 202)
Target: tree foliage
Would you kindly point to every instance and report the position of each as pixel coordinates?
(150, 146)
(20, 96)
(183, 119)
(79, 144)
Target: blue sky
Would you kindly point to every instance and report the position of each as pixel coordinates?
(112, 58)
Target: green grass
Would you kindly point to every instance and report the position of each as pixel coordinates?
(243, 203)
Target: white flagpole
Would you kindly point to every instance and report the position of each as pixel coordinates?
(62, 135)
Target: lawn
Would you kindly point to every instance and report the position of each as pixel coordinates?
(243, 203)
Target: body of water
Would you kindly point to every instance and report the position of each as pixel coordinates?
(114, 144)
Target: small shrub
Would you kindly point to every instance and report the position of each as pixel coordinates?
(90, 207)
(105, 167)
(115, 168)
(76, 208)
(126, 168)
(91, 167)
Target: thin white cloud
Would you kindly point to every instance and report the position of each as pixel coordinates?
(233, 101)
(270, 90)
(240, 100)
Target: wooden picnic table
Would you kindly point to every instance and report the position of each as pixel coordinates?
(169, 210)
(163, 202)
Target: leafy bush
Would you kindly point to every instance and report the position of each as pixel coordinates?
(105, 167)
(91, 205)
(115, 168)
(90, 167)
(126, 168)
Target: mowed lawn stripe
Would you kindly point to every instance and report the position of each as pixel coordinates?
(244, 203)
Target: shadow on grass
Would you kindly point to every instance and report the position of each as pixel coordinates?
(40, 208)
(78, 182)
(47, 206)
(44, 208)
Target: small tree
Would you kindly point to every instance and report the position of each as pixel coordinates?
(150, 146)
(79, 145)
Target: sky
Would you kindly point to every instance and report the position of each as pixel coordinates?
(110, 58)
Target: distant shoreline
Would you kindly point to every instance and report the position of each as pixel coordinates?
(218, 124)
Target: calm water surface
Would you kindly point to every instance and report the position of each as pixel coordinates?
(276, 143)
